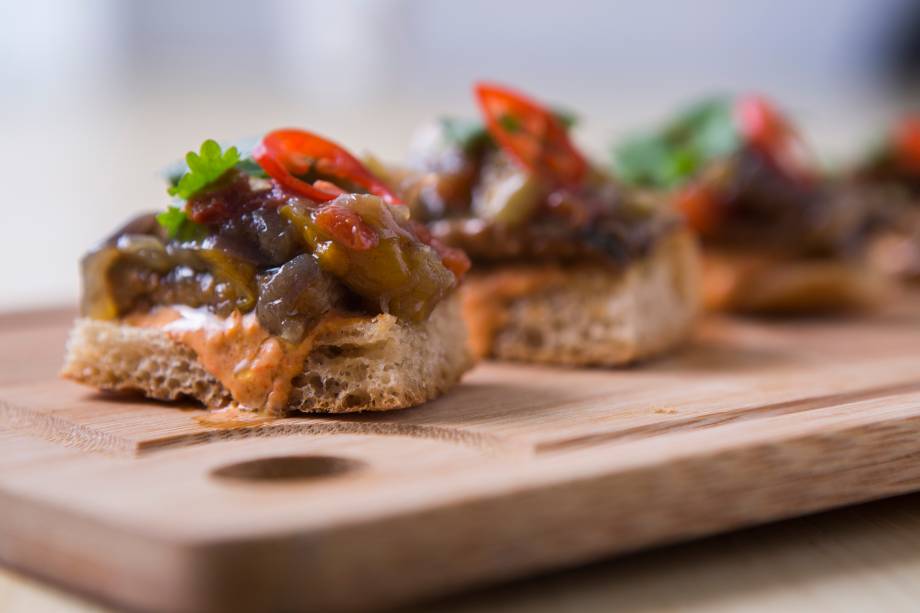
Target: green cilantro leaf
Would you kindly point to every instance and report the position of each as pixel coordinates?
(204, 168)
(649, 161)
(676, 153)
(178, 225)
(467, 134)
(175, 171)
(708, 127)
(172, 219)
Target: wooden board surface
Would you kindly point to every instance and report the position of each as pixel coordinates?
(517, 470)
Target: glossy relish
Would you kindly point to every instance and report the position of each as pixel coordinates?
(237, 240)
(476, 196)
(744, 178)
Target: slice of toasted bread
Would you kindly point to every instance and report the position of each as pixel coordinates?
(771, 285)
(366, 364)
(586, 314)
(897, 254)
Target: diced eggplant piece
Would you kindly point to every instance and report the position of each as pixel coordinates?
(294, 297)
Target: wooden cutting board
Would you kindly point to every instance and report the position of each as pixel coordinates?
(517, 470)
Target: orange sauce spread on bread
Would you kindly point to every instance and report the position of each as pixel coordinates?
(486, 299)
(254, 365)
(233, 417)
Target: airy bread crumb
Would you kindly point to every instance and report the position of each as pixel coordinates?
(586, 314)
(772, 285)
(369, 364)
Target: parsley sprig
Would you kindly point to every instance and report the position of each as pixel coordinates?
(178, 225)
(673, 155)
(204, 168)
(201, 170)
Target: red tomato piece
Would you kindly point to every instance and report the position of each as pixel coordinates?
(907, 143)
(764, 127)
(700, 206)
(346, 227)
(454, 259)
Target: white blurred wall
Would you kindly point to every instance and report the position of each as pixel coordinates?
(97, 95)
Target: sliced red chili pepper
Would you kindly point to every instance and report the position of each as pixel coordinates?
(346, 227)
(284, 154)
(764, 127)
(328, 187)
(700, 206)
(531, 134)
(907, 143)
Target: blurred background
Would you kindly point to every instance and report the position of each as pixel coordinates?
(96, 96)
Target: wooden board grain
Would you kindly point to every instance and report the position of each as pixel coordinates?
(517, 470)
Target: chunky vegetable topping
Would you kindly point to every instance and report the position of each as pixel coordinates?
(764, 128)
(740, 173)
(521, 190)
(709, 131)
(895, 162)
(316, 232)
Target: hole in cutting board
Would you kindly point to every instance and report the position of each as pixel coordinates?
(287, 468)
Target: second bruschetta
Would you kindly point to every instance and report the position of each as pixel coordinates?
(568, 266)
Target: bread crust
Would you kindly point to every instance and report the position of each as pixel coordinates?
(367, 364)
(773, 285)
(897, 254)
(588, 314)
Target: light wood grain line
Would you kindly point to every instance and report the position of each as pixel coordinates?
(63, 431)
(487, 443)
(92, 438)
(72, 433)
(540, 525)
(700, 422)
